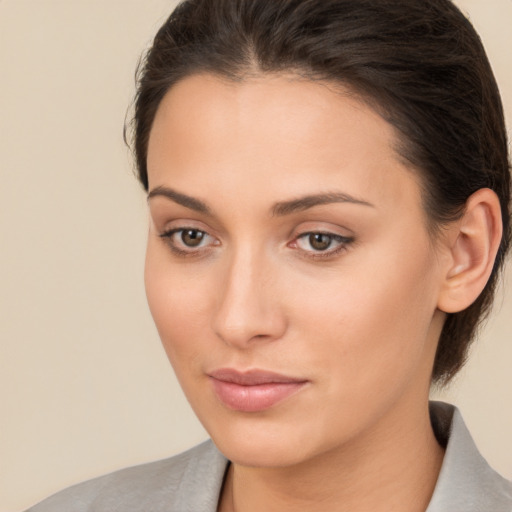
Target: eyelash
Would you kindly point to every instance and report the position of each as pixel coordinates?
(343, 242)
(168, 238)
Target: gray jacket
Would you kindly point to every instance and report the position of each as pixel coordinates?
(191, 481)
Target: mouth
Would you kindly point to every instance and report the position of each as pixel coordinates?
(253, 391)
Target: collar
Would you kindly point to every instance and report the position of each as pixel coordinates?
(466, 482)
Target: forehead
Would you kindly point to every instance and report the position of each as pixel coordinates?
(283, 130)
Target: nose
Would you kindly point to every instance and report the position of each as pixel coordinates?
(249, 307)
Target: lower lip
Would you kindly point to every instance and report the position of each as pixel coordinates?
(253, 398)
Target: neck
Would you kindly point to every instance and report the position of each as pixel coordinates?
(393, 467)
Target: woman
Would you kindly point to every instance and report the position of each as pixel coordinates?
(329, 190)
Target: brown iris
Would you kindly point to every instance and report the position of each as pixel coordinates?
(192, 237)
(320, 241)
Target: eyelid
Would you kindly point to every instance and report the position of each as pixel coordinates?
(343, 243)
(182, 250)
(167, 224)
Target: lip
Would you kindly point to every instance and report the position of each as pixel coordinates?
(254, 390)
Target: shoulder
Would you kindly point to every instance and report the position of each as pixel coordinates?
(466, 481)
(156, 486)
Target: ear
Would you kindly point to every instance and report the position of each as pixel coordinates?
(473, 243)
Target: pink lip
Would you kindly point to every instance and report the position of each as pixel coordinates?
(252, 391)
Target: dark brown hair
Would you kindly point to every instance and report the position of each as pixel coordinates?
(419, 63)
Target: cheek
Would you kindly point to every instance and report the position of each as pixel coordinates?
(177, 303)
(375, 316)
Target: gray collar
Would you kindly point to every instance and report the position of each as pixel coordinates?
(466, 482)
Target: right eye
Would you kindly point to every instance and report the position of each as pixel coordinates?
(187, 241)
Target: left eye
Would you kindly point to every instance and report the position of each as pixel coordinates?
(321, 242)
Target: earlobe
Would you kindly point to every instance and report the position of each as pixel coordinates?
(474, 244)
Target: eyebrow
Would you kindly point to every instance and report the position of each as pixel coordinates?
(304, 203)
(280, 209)
(182, 199)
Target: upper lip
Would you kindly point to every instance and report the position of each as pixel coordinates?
(252, 377)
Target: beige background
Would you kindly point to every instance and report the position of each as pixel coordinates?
(85, 387)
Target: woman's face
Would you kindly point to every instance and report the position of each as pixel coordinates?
(289, 269)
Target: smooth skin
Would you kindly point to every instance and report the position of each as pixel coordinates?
(286, 234)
